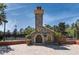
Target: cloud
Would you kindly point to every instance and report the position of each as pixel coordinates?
(47, 19)
(68, 20)
(9, 25)
(12, 8)
(54, 20)
(14, 14)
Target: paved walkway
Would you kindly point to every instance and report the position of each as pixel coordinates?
(23, 49)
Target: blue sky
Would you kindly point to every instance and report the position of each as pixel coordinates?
(22, 15)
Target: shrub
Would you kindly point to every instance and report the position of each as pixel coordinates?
(28, 36)
(1, 38)
(49, 39)
(59, 37)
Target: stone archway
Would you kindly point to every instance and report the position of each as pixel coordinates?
(39, 39)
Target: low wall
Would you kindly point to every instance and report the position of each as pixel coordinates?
(77, 41)
(72, 41)
(12, 42)
(4, 43)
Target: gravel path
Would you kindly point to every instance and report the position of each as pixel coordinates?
(23, 49)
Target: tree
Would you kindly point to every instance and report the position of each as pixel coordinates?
(8, 33)
(71, 32)
(67, 26)
(15, 33)
(1, 35)
(48, 26)
(77, 29)
(56, 28)
(28, 30)
(5, 21)
(73, 25)
(62, 27)
(2, 13)
(21, 31)
(3, 16)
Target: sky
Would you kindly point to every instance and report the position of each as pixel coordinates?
(22, 14)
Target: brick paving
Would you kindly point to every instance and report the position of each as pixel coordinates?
(23, 49)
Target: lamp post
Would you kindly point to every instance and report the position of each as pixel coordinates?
(5, 21)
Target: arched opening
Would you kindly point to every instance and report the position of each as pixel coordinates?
(38, 39)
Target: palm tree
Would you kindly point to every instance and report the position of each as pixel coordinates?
(5, 21)
(2, 13)
(3, 16)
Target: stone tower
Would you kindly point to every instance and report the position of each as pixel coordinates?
(42, 35)
(38, 18)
